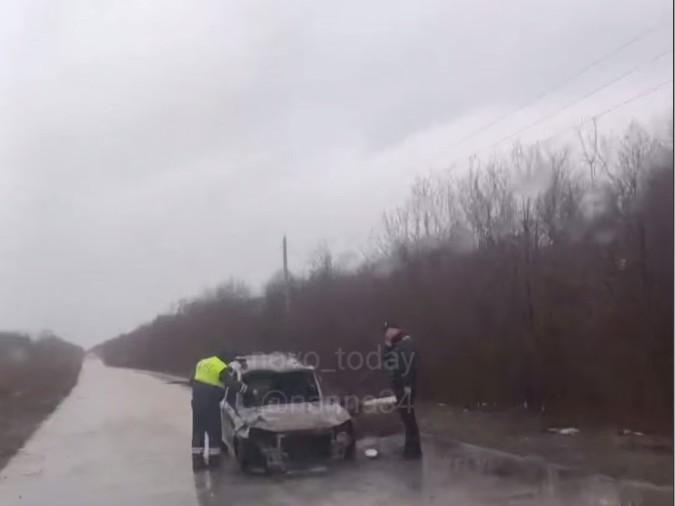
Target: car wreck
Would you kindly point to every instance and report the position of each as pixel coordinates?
(289, 423)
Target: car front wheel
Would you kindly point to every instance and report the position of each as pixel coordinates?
(248, 456)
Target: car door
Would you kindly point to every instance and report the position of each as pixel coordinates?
(226, 420)
(229, 416)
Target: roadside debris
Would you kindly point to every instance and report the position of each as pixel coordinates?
(564, 431)
(628, 432)
(371, 453)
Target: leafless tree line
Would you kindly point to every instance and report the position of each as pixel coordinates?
(543, 279)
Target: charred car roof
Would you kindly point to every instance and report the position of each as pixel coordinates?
(276, 362)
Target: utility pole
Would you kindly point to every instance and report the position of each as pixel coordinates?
(286, 281)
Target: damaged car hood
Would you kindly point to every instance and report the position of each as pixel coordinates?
(301, 416)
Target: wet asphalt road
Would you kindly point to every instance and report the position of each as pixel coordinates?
(123, 438)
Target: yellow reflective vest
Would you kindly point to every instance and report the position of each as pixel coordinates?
(208, 371)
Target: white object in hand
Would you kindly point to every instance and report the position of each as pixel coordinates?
(379, 404)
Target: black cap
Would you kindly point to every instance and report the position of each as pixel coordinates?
(226, 355)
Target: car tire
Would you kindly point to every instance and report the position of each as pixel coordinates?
(248, 456)
(350, 452)
(240, 452)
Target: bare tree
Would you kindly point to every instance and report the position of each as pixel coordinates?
(552, 304)
(488, 202)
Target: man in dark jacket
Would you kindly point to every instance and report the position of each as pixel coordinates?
(212, 376)
(400, 359)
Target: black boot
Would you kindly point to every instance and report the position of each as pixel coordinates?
(198, 463)
(412, 450)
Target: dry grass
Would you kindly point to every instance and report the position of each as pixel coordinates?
(34, 378)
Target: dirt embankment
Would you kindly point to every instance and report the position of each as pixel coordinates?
(34, 377)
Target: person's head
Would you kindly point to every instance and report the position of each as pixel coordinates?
(226, 355)
(391, 331)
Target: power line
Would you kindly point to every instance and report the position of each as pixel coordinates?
(633, 98)
(581, 99)
(629, 100)
(641, 35)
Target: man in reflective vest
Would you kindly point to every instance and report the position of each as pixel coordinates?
(212, 376)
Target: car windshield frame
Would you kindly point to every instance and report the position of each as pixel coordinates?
(281, 387)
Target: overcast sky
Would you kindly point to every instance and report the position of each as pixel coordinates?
(151, 149)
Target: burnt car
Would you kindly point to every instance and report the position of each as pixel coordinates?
(289, 423)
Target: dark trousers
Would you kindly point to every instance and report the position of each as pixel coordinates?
(406, 410)
(206, 421)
